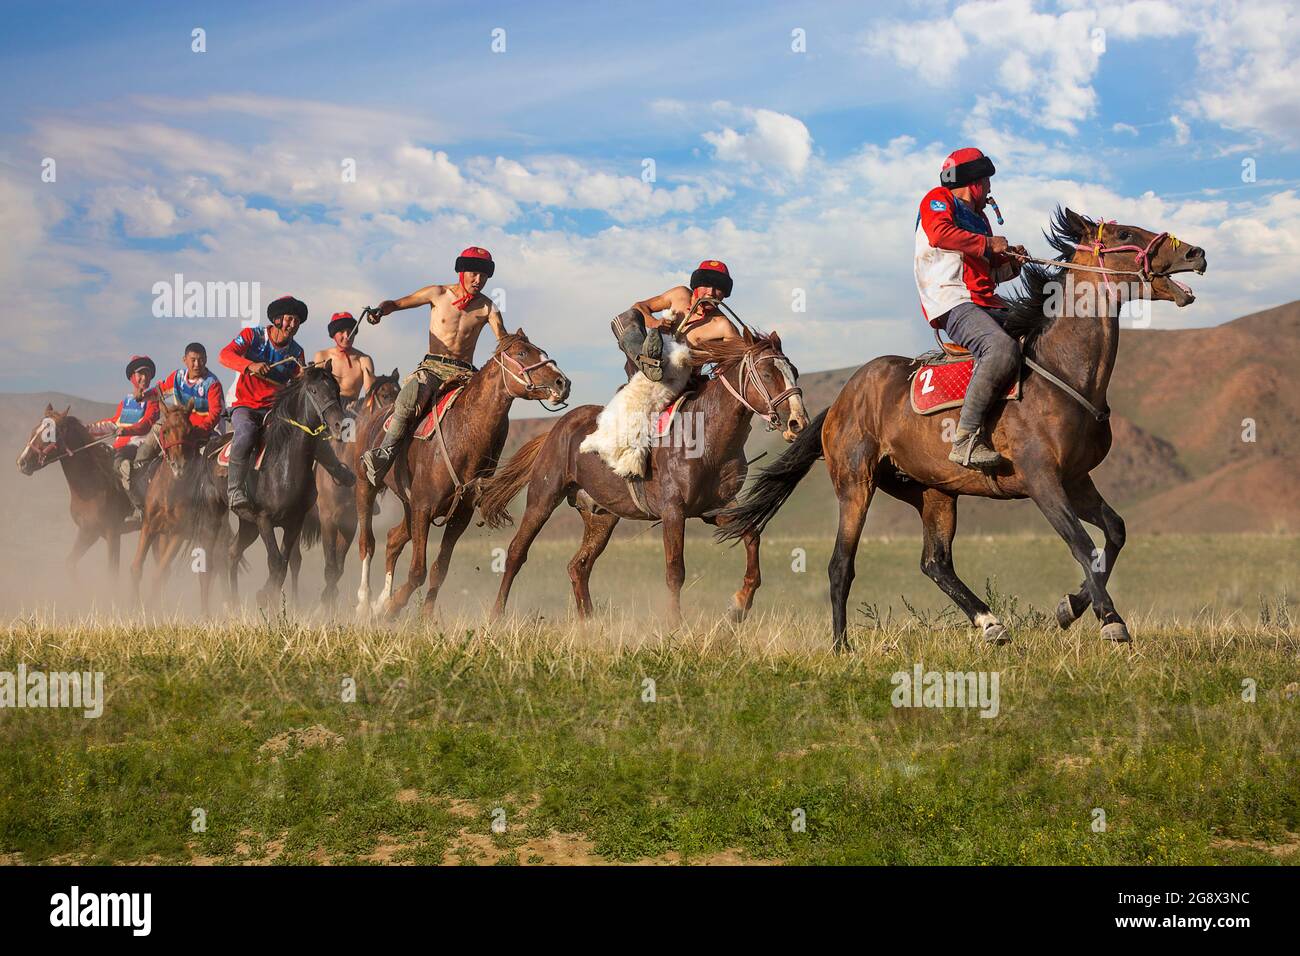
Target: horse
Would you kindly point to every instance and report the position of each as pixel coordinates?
(285, 485)
(427, 476)
(183, 505)
(335, 517)
(751, 376)
(99, 507)
(1053, 437)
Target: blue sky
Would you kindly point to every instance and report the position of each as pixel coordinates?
(802, 170)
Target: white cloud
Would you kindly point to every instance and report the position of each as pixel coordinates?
(1182, 132)
(775, 141)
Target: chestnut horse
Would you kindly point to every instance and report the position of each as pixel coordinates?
(335, 518)
(99, 506)
(285, 485)
(751, 377)
(436, 482)
(871, 438)
(183, 506)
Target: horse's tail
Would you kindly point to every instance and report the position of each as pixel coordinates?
(309, 537)
(498, 491)
(774, 485)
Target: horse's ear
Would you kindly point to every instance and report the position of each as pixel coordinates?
(49, 409)
(65, 411)
(748, 336)
(775, 340)
(396, 374)
(1078, 224)
(329, 362)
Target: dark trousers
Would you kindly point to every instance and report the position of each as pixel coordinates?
(997, 357)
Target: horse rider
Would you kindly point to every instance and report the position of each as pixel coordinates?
(266, 359)
(457, 314)
(353, 369)
(639, 333)
(192, 382)
(134, 417)
(958, 265)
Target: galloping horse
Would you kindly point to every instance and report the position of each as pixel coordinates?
(1053, 437)
(285, 483)
(183, 505)
(336, 509)
(436, 479)
(99, 506)
(751, 377)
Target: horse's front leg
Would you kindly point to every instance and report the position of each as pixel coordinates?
(743, 600)
(1047, 492)
(277, 562)
(418, 528)
(1094, 509)
(674, 526)
(451, 533)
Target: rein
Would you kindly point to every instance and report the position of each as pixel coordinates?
(41, 454)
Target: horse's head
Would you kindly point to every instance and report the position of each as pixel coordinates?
(178, 436)
(1151, 258)
(767, 382)
(528, 372)
(45, 443)
(383, 390)
(324, 405)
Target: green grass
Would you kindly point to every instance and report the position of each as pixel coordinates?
(546, 721)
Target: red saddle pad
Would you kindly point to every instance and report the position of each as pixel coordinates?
(940, 386)
(665, 419)
(424, 430)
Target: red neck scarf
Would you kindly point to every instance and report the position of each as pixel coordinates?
(464, 300)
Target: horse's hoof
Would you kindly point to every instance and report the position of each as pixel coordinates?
(1116, 631)
(996, 634)
(1065, 615)
(737, 614)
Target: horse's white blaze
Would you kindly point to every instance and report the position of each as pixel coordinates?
(796, 401)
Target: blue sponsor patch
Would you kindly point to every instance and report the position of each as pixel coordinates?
(938, 205)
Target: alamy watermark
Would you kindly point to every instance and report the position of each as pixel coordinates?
(178, 298)
(36, 689)
(921, 688)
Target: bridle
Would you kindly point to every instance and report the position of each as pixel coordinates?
(43, 454)
(317, 409)
(1142, 255)
(524, 375)
(748, 374)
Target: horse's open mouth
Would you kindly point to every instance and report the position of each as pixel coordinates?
(1179, 292)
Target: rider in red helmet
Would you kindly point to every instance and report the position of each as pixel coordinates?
(457, 314)
(958, 265)
(639, 332)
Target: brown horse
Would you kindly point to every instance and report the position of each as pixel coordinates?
(751, 377)
(183, 506)
(99, 506)
(872, 440)
(435, 481)
(335, 518)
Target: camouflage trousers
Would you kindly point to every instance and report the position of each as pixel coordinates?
(419, 387)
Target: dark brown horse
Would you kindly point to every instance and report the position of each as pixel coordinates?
(751, 376)
(437, 482)
(335, 517)
(872, 440)
(304, 410)
(99, 506)
(183, 506)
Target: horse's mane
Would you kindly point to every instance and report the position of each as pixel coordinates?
(1027, 313)
(726, 354)
(509, 339)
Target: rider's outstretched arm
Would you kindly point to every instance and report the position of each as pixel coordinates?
(423, 296)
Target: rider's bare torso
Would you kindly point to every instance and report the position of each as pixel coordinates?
(454, 329)
(352, 369)
(707, 323)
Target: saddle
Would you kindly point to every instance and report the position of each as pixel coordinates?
(425, 429)
(940, 380)
(222, 450)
